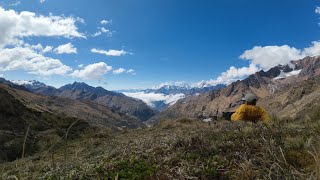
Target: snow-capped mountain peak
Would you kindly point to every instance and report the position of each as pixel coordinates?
(32, 83)
(172, 85)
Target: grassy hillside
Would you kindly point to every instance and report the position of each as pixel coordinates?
(184, 149)
(43, 128)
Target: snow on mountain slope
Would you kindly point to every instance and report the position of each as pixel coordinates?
(287, 74)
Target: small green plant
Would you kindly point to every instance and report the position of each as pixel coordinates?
(128, 169)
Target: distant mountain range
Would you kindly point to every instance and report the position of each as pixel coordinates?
(165, 95)
(81, 91)
(284, 90)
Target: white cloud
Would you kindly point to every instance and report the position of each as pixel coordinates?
(317, 10)
(15, 54)
(80, 66)
(151, 98)
(39, 48)
(269, 56)
(47, 49)
(42, 1)
(14, 26)
(15, 4)
(231, 75)
(102, 31)
(104, 22)
(132, 72)
(313, 50)
(119, 71)
(97, 34)
(28, 59)
(92, 71)
(65, 49)
(110, 52)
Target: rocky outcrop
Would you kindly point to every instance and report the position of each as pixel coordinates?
(310, 66)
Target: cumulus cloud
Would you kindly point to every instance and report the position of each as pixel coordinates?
(80, 66)
(65, 49)
(47, 49)
(28, 59)
(132, 72)
(101, 31)
(104, 22)
(14, 26)
(39, 48)
(313, 50)
(317, 10)
(42, 1)
(119, 71)
(151, 98)
(269, 56)
(231, 75)
(92, 71)
(16, 54)
(110, 52)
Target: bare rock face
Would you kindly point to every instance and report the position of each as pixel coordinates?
(276, 95)
(310, 66)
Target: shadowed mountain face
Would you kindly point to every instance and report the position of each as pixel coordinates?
(48, 118)
(16, 117)
(13, 85)
(277, 88)
(116, 101)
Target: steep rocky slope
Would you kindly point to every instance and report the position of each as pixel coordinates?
(274, 88)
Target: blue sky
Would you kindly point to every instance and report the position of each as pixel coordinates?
(166, 41)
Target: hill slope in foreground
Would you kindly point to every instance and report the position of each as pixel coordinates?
(46, 119)
(184, 149)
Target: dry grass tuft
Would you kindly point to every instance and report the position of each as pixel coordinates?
(184, 149)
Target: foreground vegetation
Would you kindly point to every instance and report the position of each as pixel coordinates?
(183, 149)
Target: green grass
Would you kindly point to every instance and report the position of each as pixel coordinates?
(184, 149)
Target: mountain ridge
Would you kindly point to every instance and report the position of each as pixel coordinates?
(263, 83)
(82, 91)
